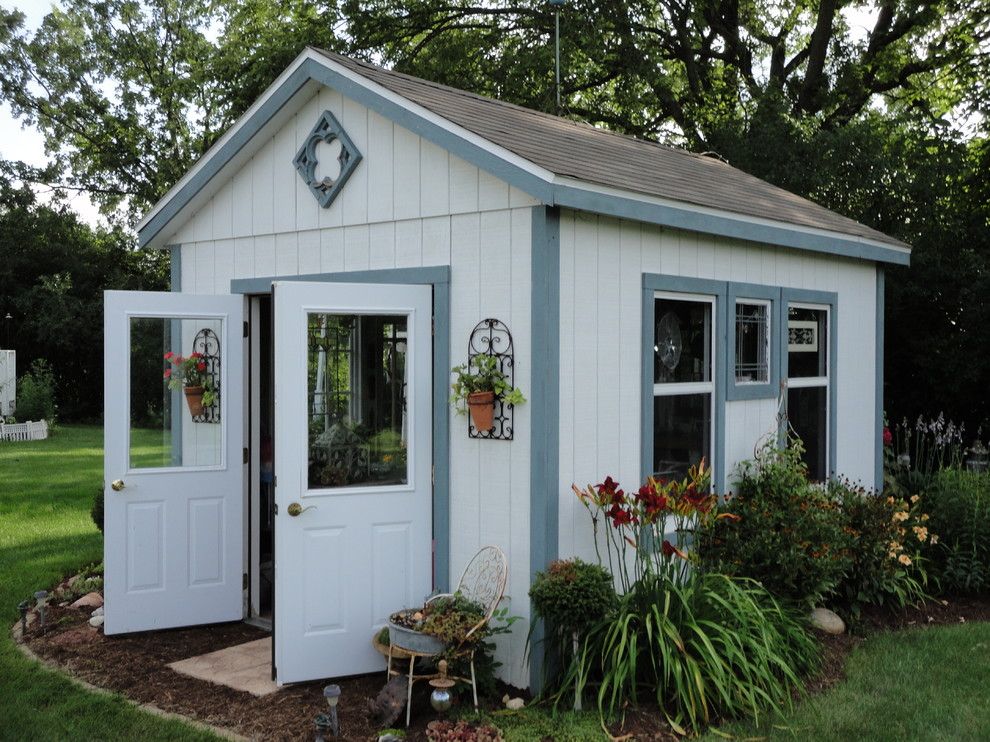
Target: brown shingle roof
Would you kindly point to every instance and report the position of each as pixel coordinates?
(596, 156)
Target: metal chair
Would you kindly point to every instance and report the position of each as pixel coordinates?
(483, 582)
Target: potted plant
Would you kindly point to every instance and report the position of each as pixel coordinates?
(477, 385)
(189, 374)
(444, 622)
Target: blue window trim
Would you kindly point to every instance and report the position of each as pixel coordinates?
(879, 340)
(770, 389)
(831, 300)
(653, 282)
(175, 285)
(439, 278)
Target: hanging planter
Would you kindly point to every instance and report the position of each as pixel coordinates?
(194, 399)
(482, 408)
(478, 386)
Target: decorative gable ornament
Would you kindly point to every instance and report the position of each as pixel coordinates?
(327, 130)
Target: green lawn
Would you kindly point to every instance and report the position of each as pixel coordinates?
(46, 489)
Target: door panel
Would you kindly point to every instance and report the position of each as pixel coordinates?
(353, 451)
(173, 530)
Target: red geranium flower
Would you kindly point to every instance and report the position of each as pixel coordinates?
(168, 372)
(888, 437)
(200, 366)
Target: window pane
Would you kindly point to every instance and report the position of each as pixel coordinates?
(356, 383)
(807, 342)
(175, 407)
(807, 416)
(682, 433)
(752, 346)
(682, 341)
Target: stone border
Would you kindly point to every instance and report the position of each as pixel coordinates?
(15, 633)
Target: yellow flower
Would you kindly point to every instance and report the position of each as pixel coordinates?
(921, 532)
(924, 517)
(890, 500)
(900, 515)
(895, 547)
(905, 560)
(914, 498)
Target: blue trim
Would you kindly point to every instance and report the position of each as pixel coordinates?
(879, 340)
(830, 299)
(175, 400)
(729, 225)
(734, 390)
(678, 216)
(544, 478)
(655, 282)
(439, 278)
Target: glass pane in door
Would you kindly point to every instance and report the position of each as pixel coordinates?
(682, 433)
(356, 398)
(175, 388)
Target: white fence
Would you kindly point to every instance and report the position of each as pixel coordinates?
(29, 431)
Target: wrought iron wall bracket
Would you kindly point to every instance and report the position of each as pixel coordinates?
(207, 343)
(491, 337)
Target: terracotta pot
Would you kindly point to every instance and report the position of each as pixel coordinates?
(482, 406)
(194, 398)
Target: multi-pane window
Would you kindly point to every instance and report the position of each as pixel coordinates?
(683, 386)
(807, 382)
(752, 336)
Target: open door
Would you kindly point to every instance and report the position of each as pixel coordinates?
(173, 523)
(353, 458)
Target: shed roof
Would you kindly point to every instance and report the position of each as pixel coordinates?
(581, 151)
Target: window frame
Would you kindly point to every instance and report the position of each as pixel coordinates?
(678, 288)
(753, 293)
(820, 300)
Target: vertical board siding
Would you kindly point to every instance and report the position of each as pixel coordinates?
(408, 204)
(601, 264)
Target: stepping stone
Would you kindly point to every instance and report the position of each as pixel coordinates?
(244, 667)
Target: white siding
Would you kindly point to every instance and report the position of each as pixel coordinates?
(408, 204)
(602, 262)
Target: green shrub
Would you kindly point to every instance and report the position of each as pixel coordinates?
(36, 393)
(572, 595)
(787, 533)
(959, 503)
(96, 512)
(888, 537)
(711, 646)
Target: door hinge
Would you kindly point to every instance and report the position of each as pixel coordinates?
(433, 474)
(275, 505)
(247, 328)
(433, 326)
(247, 455)
(244, 581)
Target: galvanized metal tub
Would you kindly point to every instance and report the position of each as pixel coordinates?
(413, 641)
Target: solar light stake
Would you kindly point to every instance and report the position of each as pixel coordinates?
(41, 596)
(332, 694)
(24, 607)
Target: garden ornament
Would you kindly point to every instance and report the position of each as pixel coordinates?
(332, 694)
(440, 698)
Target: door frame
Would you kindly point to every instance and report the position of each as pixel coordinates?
(439, 278)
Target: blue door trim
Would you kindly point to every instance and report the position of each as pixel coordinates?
(880, 309)
(439, 278)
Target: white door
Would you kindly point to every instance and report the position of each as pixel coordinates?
(173, 482)
(353, 457)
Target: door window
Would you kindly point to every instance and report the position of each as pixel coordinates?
(356, 398)
(175, 389)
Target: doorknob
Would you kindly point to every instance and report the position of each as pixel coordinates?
(117, 485)
(295, 509)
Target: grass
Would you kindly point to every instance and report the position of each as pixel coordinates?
(46, 490)
(150, 448)
(922, 684)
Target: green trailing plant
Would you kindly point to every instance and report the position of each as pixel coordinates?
(709, 646)
(887, 537)
(959, 502)
(787, 533)
(482, 374)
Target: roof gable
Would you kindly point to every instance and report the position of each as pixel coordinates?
(535, 152)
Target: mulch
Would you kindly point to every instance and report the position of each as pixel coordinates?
(135, 666)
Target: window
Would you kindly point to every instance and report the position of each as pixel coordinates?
(752, 335)
(683, 381)
(808, 371)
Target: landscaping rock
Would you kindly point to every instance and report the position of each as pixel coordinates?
(97, 612)
(89, 600)
(96, 622)
(513, 704)
(825, 620)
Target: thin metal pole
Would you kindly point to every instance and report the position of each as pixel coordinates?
(557, 63)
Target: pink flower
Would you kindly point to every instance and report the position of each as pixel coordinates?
(888, 437)
(168, 373)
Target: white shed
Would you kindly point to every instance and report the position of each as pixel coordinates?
(333, 254)
(8, 382)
